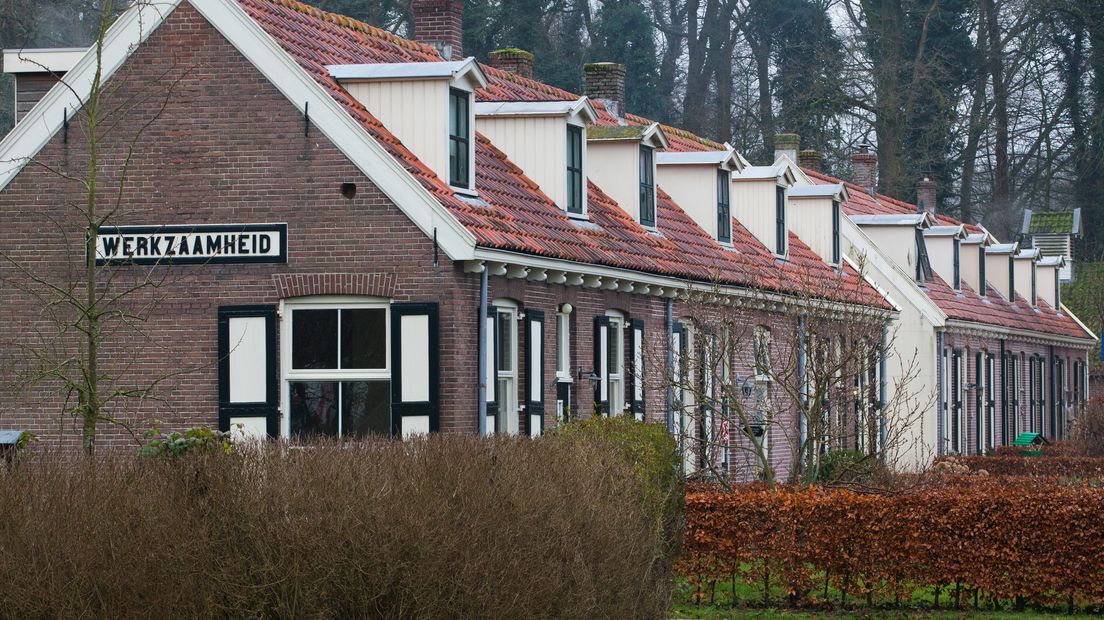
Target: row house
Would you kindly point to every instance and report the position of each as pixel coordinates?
(328, 229)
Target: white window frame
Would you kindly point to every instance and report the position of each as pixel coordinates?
(289, 374)
(563, 346)
(509, 405)
(615, 347)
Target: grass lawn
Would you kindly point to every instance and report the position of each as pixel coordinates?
(750, 604)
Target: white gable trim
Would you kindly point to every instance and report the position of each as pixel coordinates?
(466, 72)
(136, 24)
(34, 131)
(43, 60)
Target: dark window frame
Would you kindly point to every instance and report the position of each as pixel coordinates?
(981, 271)
(780, 232)
(647, 186)
(575, 202)
(957, 264)
(462, 162)
(837, 252)
(724, 206)
(923, 264)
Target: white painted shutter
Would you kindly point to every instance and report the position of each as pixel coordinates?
(601, 363)
(248, 382)
(415, 369)
(636, 379)
(534, 371)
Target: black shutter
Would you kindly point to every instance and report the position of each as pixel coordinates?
(636, 361)
(534, 372)
(979, 377)
(415, 368)
(491, 335)
(230, 406)
(601, 364)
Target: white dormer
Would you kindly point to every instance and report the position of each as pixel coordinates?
(699, 183)
(547, 140)
(1049, 282)
(815, 218)
(621, 160)
(973, 261)
(428, 106)
(900, 236)
(759, 202)
(1023, 262)
(944, 244)
(998, 267)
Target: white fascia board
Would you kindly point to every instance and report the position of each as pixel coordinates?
(976, 239)
(902, 281)
(350, 137)
(456, 70)
(1052, 261)
(726, 159)
(579, 108)
(889, 219)
(835, 191)
(1028, 253)
(779, 173)
(874, 285)
(1003, 248)
(998, 331)
(42, 60)
(958, 232)
(34, 131)
(1070, 314)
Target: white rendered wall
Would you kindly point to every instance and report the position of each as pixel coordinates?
(694, 188)
(811, 220)
(538, 145)
(614, 166)
(416, 111)
(753, 204)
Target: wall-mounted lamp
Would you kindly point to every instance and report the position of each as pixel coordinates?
(592, 377)
(565, 308)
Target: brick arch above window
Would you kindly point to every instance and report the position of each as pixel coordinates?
(304, 284)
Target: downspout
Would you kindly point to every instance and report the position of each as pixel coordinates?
(882, 397)
(483, 351)
(940, 391)
(802, 418)
(670, 325)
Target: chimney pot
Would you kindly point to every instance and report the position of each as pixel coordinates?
(810, 159)
(605, 81)
(925, 194)
(440, 23)
(864, 168)
(514, 60)
(786, 144)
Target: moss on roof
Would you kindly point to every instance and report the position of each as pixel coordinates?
(1051, 222)
(615, 132)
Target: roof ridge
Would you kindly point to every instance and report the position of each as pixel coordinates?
(344, 21)
(526, 82)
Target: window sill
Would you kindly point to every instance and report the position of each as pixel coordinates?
(564, 379)
(464, 191)
(582, 217)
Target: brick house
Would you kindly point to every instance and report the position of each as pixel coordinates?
(351, 232)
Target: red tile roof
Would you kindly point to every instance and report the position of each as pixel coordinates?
(511, 212)
(965, 305)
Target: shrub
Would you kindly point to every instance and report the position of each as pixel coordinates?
(1087, 432)
(847, 467)
(1017, 465)
(1015, 540)
(441, 527)
(181, 443)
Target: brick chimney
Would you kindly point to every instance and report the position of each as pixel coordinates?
(864, 168)
(514, 60)
(440, 23)
(925, 195)
(605, 81)
(810, 159)
(786, 144)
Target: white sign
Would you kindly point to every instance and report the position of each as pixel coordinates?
(192, 245)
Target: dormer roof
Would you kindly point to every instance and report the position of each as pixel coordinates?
(727, 159)
(1052, 222)
(648, 135)
(1028, 253)
(956, 232)
(1003, 248)
(780, 173)
(467, 71)
(892, 219)
(835, 191)
(581, 108)
(1051, 261)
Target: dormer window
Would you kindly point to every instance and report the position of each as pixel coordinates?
(957, 265)
(724, 207)
(1034, 289)
(981, 271)
(575, 183)
(1011, 280)
(460, 139)
(923, 265)
(780, 220)
(647, 186)
(837, 253)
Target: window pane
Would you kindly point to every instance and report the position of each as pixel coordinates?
(313, 408)
(314, 339)
(505, 341)
(365, 408)
(364, 338)
(561, 342)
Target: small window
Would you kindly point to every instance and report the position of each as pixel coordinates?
(459, 138)
(1011, 279)
(923, 265)
(647, 186)
(724, 208)
(982, 286)
(837, 253)
(957, 265)
(1057, 292)
(1034, 289)
(780, 221)
(575, 182)
(563, 345)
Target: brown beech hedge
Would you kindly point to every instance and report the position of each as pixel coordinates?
(1009, 540)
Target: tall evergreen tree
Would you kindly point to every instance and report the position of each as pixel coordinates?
(624, 33)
